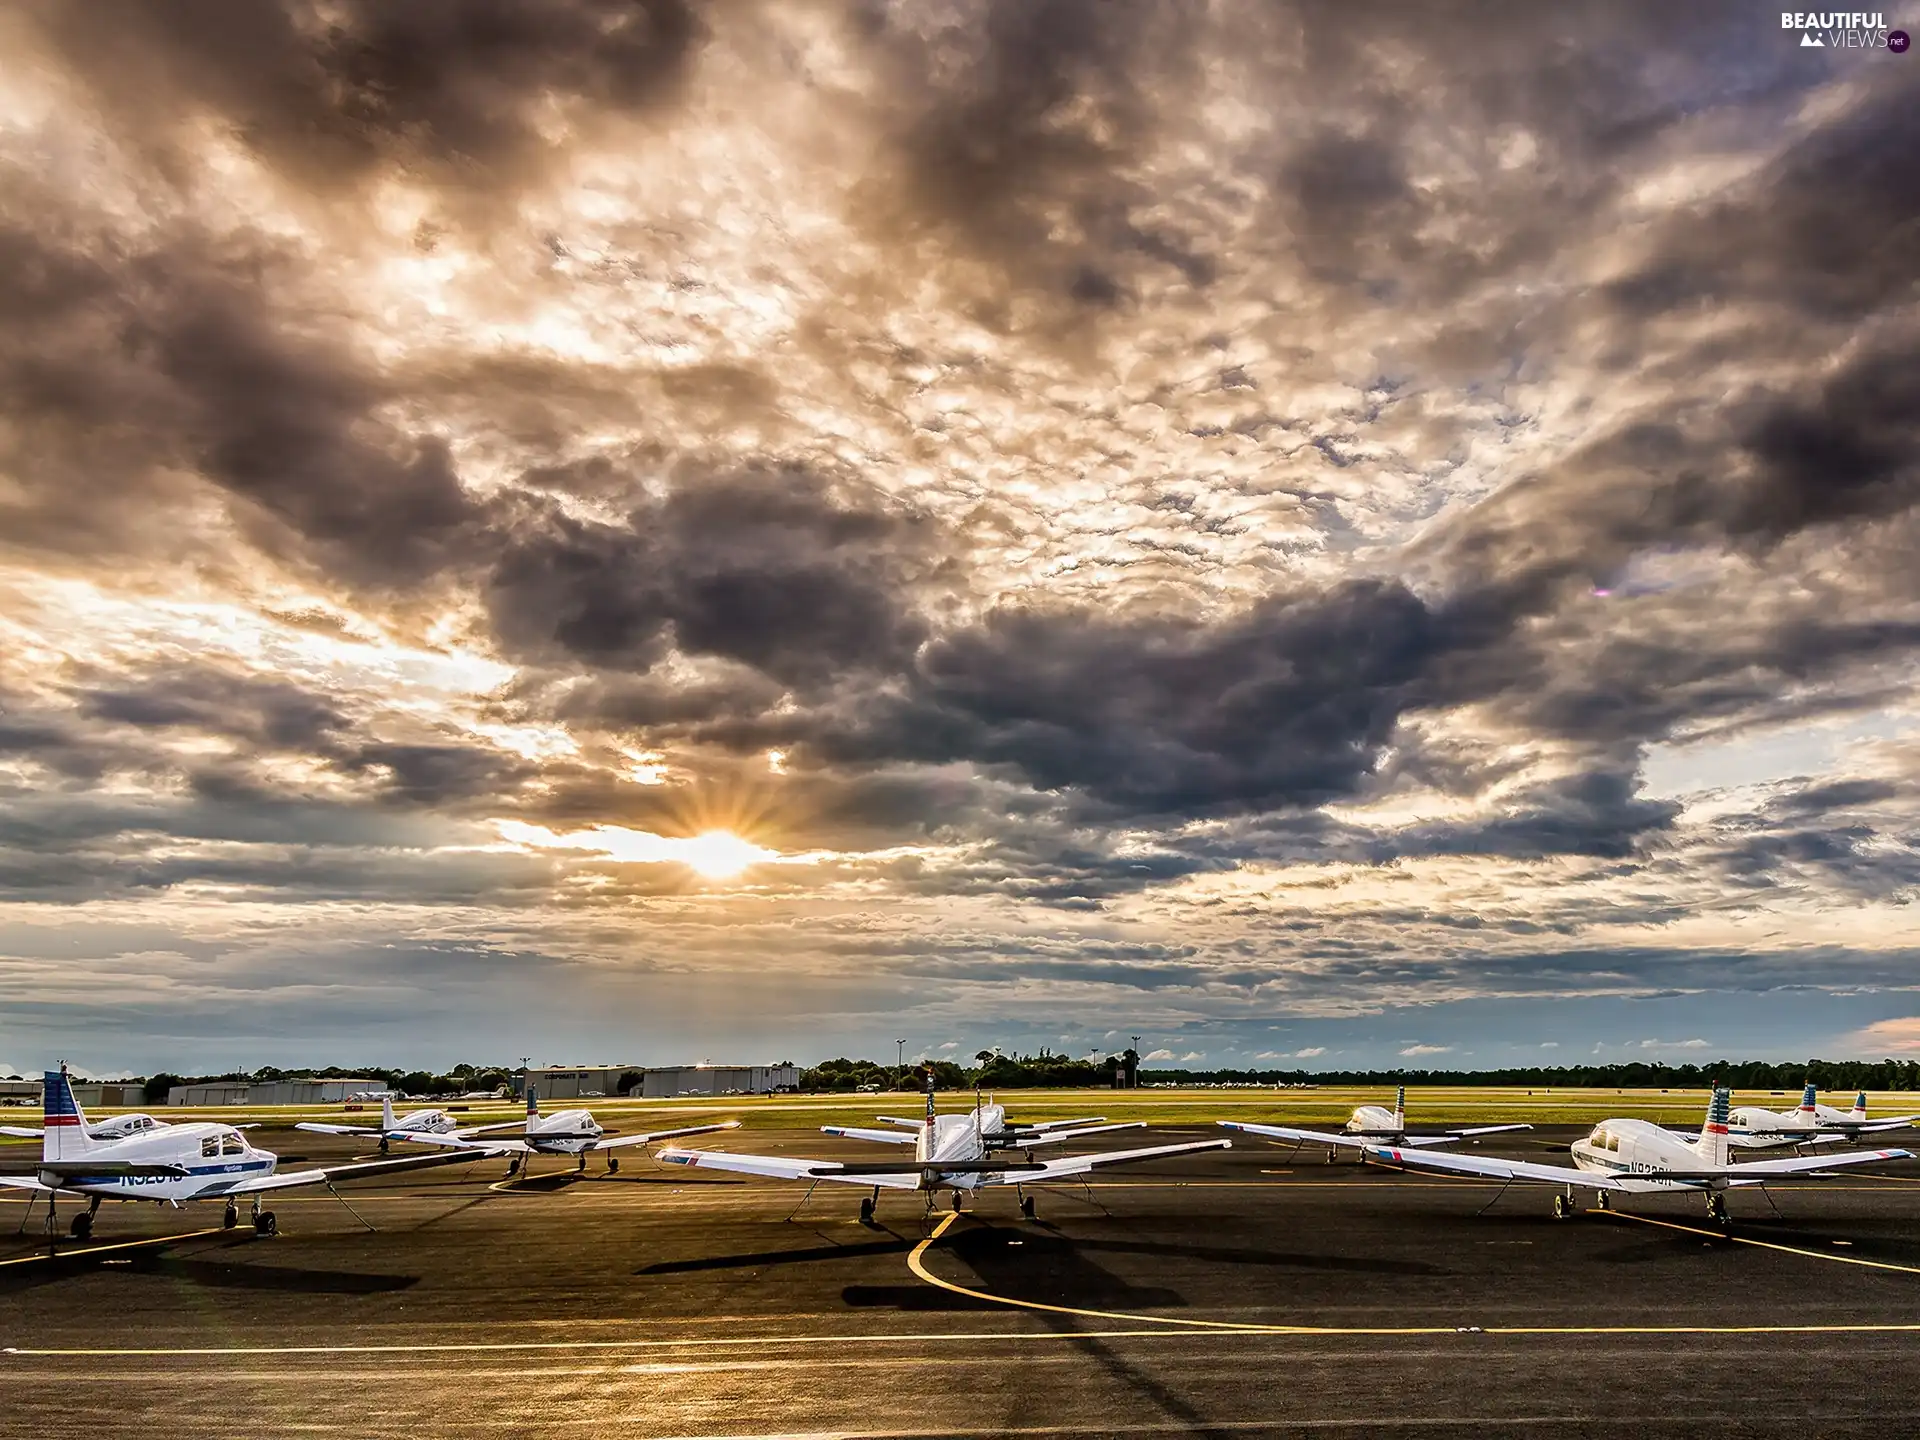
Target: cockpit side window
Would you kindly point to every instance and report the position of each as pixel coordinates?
(231, 1144)
(209, 1147)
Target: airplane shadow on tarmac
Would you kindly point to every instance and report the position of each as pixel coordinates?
(201, 1269)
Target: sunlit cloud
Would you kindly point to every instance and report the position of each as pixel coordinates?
(715, 854)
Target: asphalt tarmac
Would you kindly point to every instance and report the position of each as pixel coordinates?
(1256, 1291)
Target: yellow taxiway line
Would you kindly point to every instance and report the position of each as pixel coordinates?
(1762, 1244)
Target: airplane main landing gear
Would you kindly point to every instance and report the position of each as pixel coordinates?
(386, 1146)
(1026, 1206)
(613, 1166)
(264, 1225)
(231, 1218)
(956, 1202)
(581, 1167)
(1717, 1209)
(81, 1227)
(1563, 1207)
(513, 1167)
(1602, 1201)
(866, 1209)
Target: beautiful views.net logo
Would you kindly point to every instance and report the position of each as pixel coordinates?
(1843, 30)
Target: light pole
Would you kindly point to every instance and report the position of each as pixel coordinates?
(1134, 1078)
(900, 1055)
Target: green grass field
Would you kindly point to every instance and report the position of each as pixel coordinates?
(1431, 1105)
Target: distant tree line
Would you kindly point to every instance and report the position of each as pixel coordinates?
(1632, 1075)
(994, 1071)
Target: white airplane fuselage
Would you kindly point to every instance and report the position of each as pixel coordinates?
(215, 1157)
(952, 1138)
(564, 1132)
(1375, 1120)
(425, 1122)
(1637, 1151)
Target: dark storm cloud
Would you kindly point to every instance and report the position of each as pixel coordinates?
(334, 93)
(269, 713)
(1596, 813)
(775, 569)
(1287, 704)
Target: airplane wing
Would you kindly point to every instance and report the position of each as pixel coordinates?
(1054, 1137)
(25, 1182)
(1772, 1139)
(1058, 1124)
(494, 1129)
(1487, 1129)
(320, 1127)
(1492, 1169)
(333, 1173)
(647, 1139)
(1085, 1164)
(1288, 1132)
(900, 1120)
(782, 1167)
(1814, 1165)
(20, 1132)
(883, 1137)
(455, 1142)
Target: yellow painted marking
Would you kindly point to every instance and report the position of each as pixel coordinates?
(88, 1250)
(916, 1263)
(1765, 1244)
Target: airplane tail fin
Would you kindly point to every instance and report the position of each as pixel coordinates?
(1400, 1108)
(63, 1125)
(386, 1112)
(1713, 1143)
(931, 1112)
(1859, 1107)
(1809, 1100)
(533, 1101)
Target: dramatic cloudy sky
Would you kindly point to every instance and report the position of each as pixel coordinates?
(1282, 530)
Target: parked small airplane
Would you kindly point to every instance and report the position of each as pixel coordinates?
(1368, 1126)
(168, 1163)
(949, 1152)
(565, 1132)
(1636, 1157)
(409, 1126)
(1813, 1123)
(118, 1127)
(997, 1131)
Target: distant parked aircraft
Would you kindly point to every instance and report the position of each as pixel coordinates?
(413, 1123)
(1369, 1126)
(565, 1132)
(1636, 1156)
(168, 1164)
(997, 1130)
(1813, 1123)
(949, 1152)
(119, 1127)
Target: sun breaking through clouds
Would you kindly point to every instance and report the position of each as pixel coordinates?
(751, 522)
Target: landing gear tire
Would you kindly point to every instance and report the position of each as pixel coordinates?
(1026, 1206)
(265, 1226)
(956, 1202)
(866, 1210)
(1717, 1210)
(513, 1167)
(613, 1166)
(1603, 1201)
(1562, 1207)
(81, 1226)
(231, 1218)
(580, 1166)
(385, 1145)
